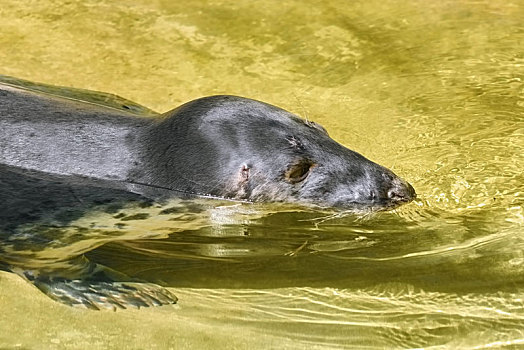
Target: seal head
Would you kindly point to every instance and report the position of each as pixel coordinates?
(238, 148)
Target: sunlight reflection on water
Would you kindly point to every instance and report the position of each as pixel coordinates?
(433, 91)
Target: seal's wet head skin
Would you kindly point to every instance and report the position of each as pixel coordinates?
(222, 146)
(238, 148)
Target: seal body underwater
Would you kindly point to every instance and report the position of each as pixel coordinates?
(218, 146)
(41, 240)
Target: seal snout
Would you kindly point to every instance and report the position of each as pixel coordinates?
(401, 191)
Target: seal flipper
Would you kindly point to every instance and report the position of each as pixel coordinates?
(97, 295)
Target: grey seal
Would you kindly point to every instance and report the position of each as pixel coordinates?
(65, 152)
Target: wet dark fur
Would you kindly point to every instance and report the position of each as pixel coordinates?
(223, 146)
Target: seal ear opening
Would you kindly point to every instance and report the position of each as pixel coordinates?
(298, 171)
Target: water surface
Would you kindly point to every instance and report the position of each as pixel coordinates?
(432, 90)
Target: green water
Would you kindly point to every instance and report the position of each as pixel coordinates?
(433, 90)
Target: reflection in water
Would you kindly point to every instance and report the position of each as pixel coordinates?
(285, 249)
(432, 90)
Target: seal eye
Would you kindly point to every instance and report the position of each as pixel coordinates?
(298, 171)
